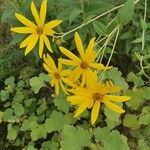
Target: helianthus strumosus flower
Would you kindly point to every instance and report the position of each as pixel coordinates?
(38, 31)
(93, 95)
(56, 73)
(84, 63)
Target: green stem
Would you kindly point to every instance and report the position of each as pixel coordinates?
(143, 33)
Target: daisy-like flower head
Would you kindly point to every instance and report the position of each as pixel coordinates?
(57, 74)
(93, 95)
(38, 31)
(84, 62)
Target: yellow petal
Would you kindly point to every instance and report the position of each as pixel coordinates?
(70, 55)
(48, 32)
(83, 78)
(67, 81)
(50, 62)
(47, 69)
(57, 88)
(31, 44)
(97, 66)
(113, 107)
(25, 21)
(47, 43)
(52, 82)
(23, 30)
(59, 66)
(95, 112)
(75, 74)
(90, 105)
(90, 55)
(91, 79)
(41, 46)
(25, 42)
(68, 62)
(81, 91)
(65, 73)
(117, 98)
(52, 24)
(79, 45)
(91, 45)
(76, 100)
(63, 87)
(81, 108)
(111, 88)
(43, 12)
(35, 13)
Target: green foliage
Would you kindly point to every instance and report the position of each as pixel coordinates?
(38, 82)
(75, 138)
(125, 14)
(33, 118)
(116, 76)
(57, 121)
(112, 118)
(145, 116)
(61, 103)
(114, 138)
(131, 121)
(137, 98)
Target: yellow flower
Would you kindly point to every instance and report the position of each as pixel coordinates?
(93, 95)
(39, 31)
(57, 74)
(84, 63)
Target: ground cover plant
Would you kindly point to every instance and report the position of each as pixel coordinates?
(75, 75)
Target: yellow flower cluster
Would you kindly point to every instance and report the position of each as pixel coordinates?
(81, 76)
(38, 31)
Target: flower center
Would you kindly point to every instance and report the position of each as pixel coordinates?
(84, 65)
(39, 30)
(97, 96)
(57, 75)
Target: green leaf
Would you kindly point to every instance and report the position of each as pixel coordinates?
(111, 140)
(137, 40)
(112, 118)
(10, 83)
(42, 107)
(49, 145)
(125, 14)
(57, 121)
(25, 125)
(146, 92)
(11, 133)
(8, 115)
(74, 14)
(135, 79)
(17, 38)
(75, 138)
(137, 98)
(28, 102)
(145, 116)
(37, 131)
(4, 95)
(145, 119)
(131, 121)
(99, 27)
(115, 75)
(7, 14)
(1, 116)
(18, 109)
(38, 82)
(142, 145)
(61, 103)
